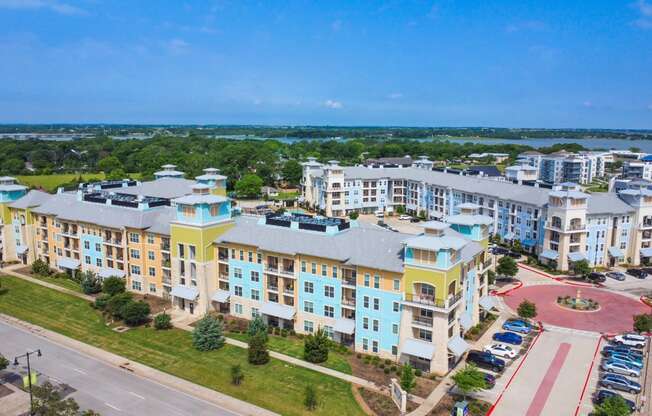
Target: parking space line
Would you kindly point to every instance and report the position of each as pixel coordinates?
(588, 376)
(545, 387)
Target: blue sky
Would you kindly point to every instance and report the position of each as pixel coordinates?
(444, 63)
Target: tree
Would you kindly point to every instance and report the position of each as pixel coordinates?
(48, 402)
(101, 301)
(507, 267)
(135, 313)
(257, 326)
(109, 164)
(90, 283)
(40, 268)
(527, 309)
(491, 277)
(292, 172)
(117, 303)
(162, 321)
(643, 323)
(257, 353)
(354, 215)
(116, 175)
(113, 285)
(408, 380)
(208, 334)
(4, 363)
(469, 379)
(516, 246)
(581, 268)
(310, 400)
(400, 209)
(315, 347)
(248, 186)
(612, 406)
(236, 374)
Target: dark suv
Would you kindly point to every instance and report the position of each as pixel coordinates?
(596, 277)
(485, 360)
(638, 273)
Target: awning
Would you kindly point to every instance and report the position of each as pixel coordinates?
(549, 254)
(344, 326)
(528, 242)
(68, 263)
(20, 250)
(576, 256)
(466, 321)
(421, 349)
(277, 310)
(488, 302)
(109, 272)
(509, 236)
(616, 252)
(221, 296)
(457, 346)
(188, 293)
(646, 252)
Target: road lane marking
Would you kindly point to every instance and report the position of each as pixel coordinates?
(112, 407)
(137, 395)
(79, 371)
(543, 392)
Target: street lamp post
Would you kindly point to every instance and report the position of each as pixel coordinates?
(29, 375)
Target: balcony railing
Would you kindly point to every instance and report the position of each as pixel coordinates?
(431, 301)
(114, 242)
(288, 291)
(166, 264)
(287, 272)
(348, 301)
(570, 228)
(350, 281)
(165, 247)
(422, 320)
(272, 287)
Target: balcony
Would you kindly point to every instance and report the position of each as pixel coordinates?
(273, 288)
(224, 276)
(113, 242)
(348, 302)
(422, 320)
(289, 291)
(165, 247)
(426, 300)
(348, 281)
(572, 228)
(165, 264)
(287, 272)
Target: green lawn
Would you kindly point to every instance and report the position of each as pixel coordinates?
(65, 283)
(294, 348)
(51, 182)
(277, 386)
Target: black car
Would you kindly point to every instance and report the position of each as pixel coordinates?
(602, 394)
(499, 250)
(647, 270)
(485, 360)
(596, 277)
(414, 219)
(638, 273)
(514, 255)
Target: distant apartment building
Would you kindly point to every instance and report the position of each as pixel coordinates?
(522, 172)
(638, 168)
(559, 167)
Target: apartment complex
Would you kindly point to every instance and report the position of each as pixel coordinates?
(562, 166)
(638, 168)
(561, 225)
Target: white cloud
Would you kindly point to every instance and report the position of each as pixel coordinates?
(333, 104)
(52, 5)
(533, 25)
(336, 25)
(395, 96)
(645, 14)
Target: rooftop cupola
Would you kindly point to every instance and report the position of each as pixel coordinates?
(10, 190)
(169, 171)
(213, 179)
(434, 228)
(202, 207)
(568, 195)
(434, 251)
(469, 208)
(470, 223)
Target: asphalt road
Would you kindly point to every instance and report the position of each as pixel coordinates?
(103, 388)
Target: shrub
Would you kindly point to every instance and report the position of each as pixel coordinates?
(315, 347)
(90, 284)
(527, 309)
(386, 370)
(116, 304)
(284, 333)
(113, 285)
(101, 301)
(353, 215)
(4, 362)
(388, 361)
(643, 323)
(358, 355)
(61, 276)
(407, 378)
(136, 313)
(393, 368)
(257, 353)
(208, 334)
(40, 268)
(236, 374)
(417, 372)
(310, 400)
(162, 321)
(257, 326)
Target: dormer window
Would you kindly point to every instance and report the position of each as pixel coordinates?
(188, 211)
(214, 210)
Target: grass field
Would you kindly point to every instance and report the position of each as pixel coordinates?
(277, 386)
(65, 283)
(50, 183)
(294, 348)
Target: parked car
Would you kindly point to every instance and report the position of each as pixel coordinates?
(489, 379)
(517, 326)
(617, 276)
(379, 214)
(414, 219)
(607, 350)
(647, 270)
(500, 350)
(618, 382)
(630, 340)
(514, 254)
(638, 273)
(508, 337)
(485, 360)
(627, 359)
(596, 277)
(602, 394)
(404, 217)
(620, 367)
(499, 250)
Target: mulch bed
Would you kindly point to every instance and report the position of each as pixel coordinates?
(479, 330)
(445, 406)
(383, 405)
(6, 391)
(156, 304)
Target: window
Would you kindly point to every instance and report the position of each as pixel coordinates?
(324, 270)
(308, 326)
(396, 307)
(394, 350)
(150, 238)
(365, 323)
(374, 346)
(151, 255)
(376, 304)
(375, 325)
(308, 306)
(237, 273)
(395, 329)
(182, 251)
(135, 254)
(255, 276)
(87, 259)
(313, 268)
(334, 272)
(152, 288)
(366, 279)
(328, 330)
(191, 252)
(98, 262)
(254, 312)
(365, 344)
(188, 211)
(376, 281)
(255, 294)
(135, 270)
(303, 266)
(425, 335)
(134, 237)
(241, 257)
(237, 290)
(259, 258)
(250, 257)
(238, 308)
(308, 287)
(329, 291)
(397, 284)
(136, 285)
(87, 245)
(152, 271)
(329, 311)
(365, 301)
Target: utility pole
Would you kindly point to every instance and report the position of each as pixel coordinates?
(29, 375)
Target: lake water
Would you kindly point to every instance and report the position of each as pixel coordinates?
(617, 144)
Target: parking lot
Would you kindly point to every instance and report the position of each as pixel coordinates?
(403, 226)
(631, 284)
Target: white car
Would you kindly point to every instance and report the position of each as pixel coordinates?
(379, 214)
(630, 340)
(405, 217)
(501, 350)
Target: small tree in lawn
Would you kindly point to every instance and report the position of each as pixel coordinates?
(469, 379)
(310, 400)
(136, 313)
(116, 305)
(643, 323)
(236, 374)
(315, 347)
(257, 353)
(4, 363)
(527, 309)
(353, 215)
(408, 379)
(162, 321)
(257, 325)
(113, 285)
(507, 267)
(612, 406)
(208, 334)
(40, 268)
(581, 268)
(90, 283)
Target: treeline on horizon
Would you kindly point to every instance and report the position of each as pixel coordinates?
(270, 159)
(325, 132)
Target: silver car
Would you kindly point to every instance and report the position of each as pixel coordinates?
(616, 275)
(620, 367)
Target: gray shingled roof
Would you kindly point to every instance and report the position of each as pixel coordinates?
(607, 203)
(161, 188)
(32, 199)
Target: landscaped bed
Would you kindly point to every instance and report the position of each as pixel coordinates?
(445, 406)
(278, 386)
(381, 404)
(477, 331)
